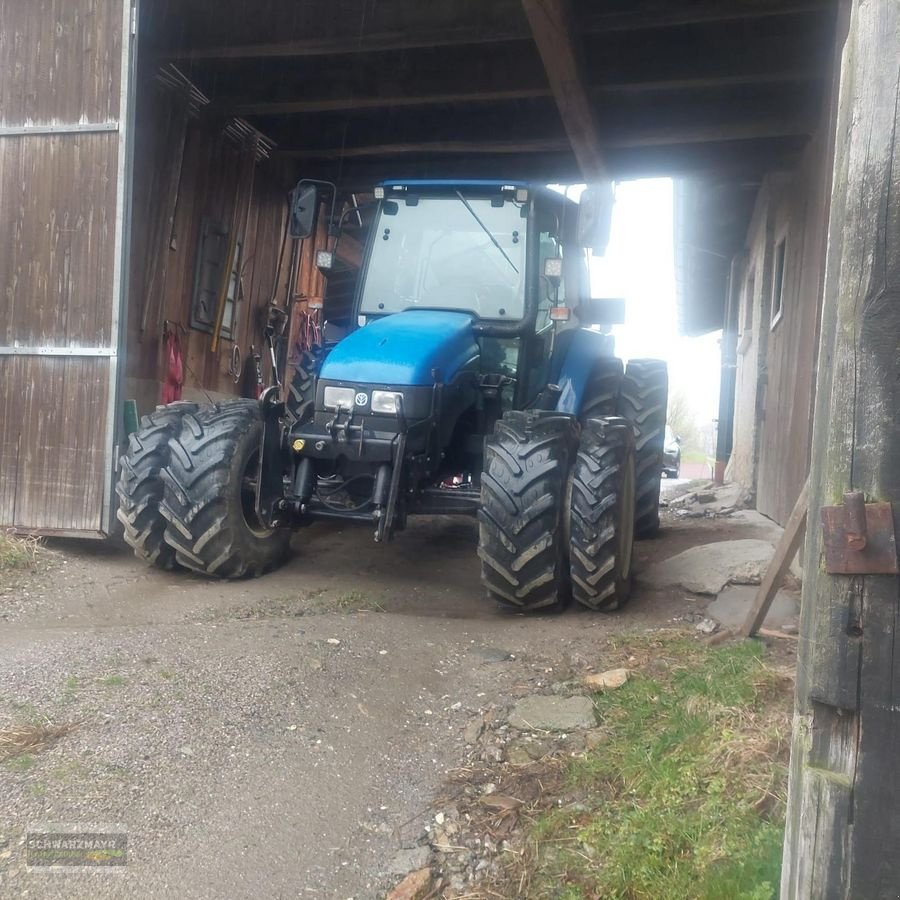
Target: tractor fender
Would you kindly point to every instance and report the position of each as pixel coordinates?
(574, 357)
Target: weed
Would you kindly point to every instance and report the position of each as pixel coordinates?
(113, 681)
(17, 742)
(355, 601)
(18, 552)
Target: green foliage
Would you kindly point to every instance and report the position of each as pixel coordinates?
(686, 798)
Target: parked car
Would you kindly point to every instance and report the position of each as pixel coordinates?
(671, 454)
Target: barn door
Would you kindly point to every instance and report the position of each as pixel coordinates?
(65, 89)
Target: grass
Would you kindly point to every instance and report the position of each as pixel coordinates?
(18, 743)
(18, 553)
(356, 601)
(686, 799)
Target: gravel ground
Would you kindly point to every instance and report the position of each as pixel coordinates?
(282, 737)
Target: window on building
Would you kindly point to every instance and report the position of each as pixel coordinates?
(749, 294)
(778, 282)
(212, 253)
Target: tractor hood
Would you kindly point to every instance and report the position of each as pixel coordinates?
(404, 349)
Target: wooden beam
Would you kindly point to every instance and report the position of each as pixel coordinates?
(652, 16)
(431, 148)
(355, 102)
(667, 14)
(787, 548)
(551, 27)
(349, 103)
(671, 136)
(844, 794)
(375, 42)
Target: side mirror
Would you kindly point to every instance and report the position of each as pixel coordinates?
(602, 311)
(304, 206)
(595, 216)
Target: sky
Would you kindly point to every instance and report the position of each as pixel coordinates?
(639, 265)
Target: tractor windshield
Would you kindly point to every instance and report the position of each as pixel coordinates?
(448, 253)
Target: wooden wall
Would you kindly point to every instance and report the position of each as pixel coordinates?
(801, 219)
(776, 361)
(214, 173)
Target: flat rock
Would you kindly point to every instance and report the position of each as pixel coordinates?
(606, 681)
(708, 568)
(543, 713)
(735, 601)
(405, 861)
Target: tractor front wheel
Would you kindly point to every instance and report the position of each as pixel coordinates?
(521, 534)
(602, 514)
(210, 493)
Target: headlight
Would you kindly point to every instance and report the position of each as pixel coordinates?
(386, 402)
(338, 398)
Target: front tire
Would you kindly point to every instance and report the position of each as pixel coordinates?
(210, 493)
(602, 515)
(643, 400)
(521, 534)
(140, 489)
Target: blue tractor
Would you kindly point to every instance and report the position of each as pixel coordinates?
(476, 377)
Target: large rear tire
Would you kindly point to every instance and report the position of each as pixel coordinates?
(140, 489)
(521, 535)
(210, 484)
(602, 514)
(643, 400)
(601, 393)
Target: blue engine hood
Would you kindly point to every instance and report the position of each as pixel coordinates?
(403, 349)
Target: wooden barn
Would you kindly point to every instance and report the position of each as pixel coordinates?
(146, 152)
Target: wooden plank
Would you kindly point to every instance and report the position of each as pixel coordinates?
(542, 145)
(551, 27)
(376, 42)
(848, 673)
(655, 15)
(360, 102)
(391, 101)
(668, 136)
(787, 548)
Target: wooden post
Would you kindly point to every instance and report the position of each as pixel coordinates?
(843, 826)
(784, 555)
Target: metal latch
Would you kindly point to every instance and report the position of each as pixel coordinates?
(859, 537)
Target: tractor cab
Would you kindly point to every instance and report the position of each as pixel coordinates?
(464, 296)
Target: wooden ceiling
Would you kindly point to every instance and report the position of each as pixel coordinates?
(550, 90)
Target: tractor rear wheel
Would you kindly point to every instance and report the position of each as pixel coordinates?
(522, 534)
(602, 514)
(210, 492)
(301, 395)
(601, 393)
(140, 489)
(642, 400)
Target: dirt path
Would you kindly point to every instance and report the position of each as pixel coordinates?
(281, 737)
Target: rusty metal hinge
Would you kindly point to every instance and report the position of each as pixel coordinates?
(859, 537)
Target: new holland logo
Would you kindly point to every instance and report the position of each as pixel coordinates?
(361, 399)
